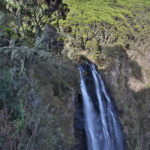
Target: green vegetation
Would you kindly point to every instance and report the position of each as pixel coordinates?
(8, 32)
(11, 111)
(9, 100)
(109, 21)
(28, 17)
(38, 86)
(35, 107)
(90, 11)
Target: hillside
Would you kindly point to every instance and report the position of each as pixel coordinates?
(107, 22)
(115, 36)
(41, 47)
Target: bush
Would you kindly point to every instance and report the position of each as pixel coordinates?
(92, 45)
(12, 115)
(9, 100)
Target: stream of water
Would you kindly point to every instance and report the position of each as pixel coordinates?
(102, 127)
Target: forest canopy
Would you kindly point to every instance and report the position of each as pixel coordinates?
(29, 16)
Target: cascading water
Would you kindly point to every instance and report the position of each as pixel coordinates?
(103, 131)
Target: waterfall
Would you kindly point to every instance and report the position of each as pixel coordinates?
(102, 127)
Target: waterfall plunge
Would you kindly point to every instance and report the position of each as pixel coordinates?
(102, 127)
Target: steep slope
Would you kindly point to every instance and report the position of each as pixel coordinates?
(115, 36)
(37, 93)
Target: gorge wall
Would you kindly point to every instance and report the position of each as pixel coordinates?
(40, 97)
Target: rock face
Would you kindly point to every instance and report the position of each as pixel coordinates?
(127, 79)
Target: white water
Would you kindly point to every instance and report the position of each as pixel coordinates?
(102, 127)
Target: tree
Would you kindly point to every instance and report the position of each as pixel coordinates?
(32, 15)
(2, 5)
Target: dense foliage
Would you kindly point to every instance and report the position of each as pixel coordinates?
(109, 21)
(110, 11)
(29, 16)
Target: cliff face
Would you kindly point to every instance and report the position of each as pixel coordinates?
(127, 79)
(40, 107)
